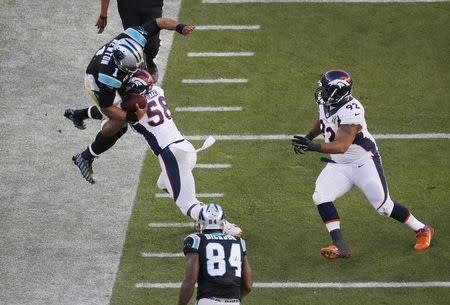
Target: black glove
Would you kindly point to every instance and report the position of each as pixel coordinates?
(303, 144)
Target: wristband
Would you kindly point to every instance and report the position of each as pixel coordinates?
(179, 28)
(103, 17)
(132, 117)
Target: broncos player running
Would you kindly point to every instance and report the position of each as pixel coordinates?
(355, 161)
(110, 66)
(177, 156)
(216, 261)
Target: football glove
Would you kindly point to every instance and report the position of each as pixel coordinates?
(303, 144)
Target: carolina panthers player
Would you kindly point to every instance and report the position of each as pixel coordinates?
(216, 261)
(110, 66)
(355, 161)
(177, 156)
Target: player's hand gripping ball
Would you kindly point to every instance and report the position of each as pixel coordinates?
(131, 100)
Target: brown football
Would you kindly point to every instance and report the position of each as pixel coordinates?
(130, 101)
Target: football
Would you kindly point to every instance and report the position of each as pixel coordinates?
(131, 100)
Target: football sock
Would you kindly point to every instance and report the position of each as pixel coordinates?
(329, 215)
(399, 213)
(413, 223)
(88, 113)
(101, 144)
(338, 241)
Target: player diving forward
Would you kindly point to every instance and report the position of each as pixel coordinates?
(355, 161)
(216, 261)
(177, 156)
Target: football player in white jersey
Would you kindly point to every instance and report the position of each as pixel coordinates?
(177, 156)
(355, 161)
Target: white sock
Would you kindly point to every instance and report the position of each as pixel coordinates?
(413, 223)
(333, 225)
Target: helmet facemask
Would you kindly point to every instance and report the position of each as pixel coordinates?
(333, 88)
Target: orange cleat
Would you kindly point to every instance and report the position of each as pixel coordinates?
(332, 252)
(423, 236)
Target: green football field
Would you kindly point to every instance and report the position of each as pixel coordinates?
(399, 57)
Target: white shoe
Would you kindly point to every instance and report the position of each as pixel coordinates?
(231, 229)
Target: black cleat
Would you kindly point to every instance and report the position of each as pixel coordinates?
(85, 167)
(78, 123)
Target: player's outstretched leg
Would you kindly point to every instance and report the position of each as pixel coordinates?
(85, 166)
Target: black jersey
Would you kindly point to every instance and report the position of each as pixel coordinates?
(102, 67)
(221, 258)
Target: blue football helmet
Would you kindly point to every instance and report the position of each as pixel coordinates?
(333, 87)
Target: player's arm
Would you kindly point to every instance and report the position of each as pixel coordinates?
(247, 278)
(345, 136)
(102, 19)
(106, 98)
(191, 276)
(154, 26)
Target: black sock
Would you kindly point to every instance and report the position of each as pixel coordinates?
(83, 114)
(102, 144)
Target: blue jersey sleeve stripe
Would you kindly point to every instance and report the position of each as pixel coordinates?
(196, 240)
(109, 81)
(244, 246)
(138, 37)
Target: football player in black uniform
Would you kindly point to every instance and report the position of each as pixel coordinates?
(110, 66)
(216, 261)
(134, 13)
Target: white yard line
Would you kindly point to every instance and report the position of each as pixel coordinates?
(316, 285)
(199, 195)
(227, 27)
(213, 166)
(314, 1)
(171, 224)
(288, 137)
(220, 54)
(207, 109)
(161, 254)
(215, 81)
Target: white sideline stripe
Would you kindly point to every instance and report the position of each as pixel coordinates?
(317, 285)
(314, 1)
(207, 108)
(288, 137)
(162, 254)
(227, 27)
(215, 81)
(216, 165)
(171, 224)
(199, 195)
(219, 54)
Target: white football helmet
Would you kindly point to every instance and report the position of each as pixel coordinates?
(128, 55)
(212, 217)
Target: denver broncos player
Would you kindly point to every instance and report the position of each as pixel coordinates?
(110, 66)
(355, 161)
(177, 156)
(218, 262)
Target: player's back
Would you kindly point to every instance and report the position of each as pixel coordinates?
(157, 125)
(221, 259)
